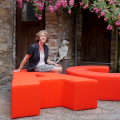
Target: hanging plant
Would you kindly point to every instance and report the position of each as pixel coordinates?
(53, 5)
(109, 9)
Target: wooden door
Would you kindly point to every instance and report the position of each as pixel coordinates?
(26, 28)
(96, 40)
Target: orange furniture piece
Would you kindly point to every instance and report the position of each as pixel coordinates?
(32, 91)
(108, 83)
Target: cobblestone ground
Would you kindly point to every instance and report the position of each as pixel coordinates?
(107, 110)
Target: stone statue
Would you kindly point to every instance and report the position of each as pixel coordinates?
(63, 50)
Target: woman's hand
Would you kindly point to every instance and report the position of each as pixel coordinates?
(18, 70)
(23, 63)
(57, 65)
(52, 63)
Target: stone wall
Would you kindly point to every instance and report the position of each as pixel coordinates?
(51, 22)
(60, 26)
(6, 40)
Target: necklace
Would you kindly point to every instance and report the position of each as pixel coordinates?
(41, 50)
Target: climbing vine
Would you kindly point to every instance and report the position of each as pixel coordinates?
(109, 9)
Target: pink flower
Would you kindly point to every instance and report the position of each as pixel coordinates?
(101, 8)
(64, 3)
(36, 14)
(117, 23)
(105, 19)
(20, 5)
(86, 5)
(99, 16)
(110, 3)
(71, 2)
(69, 11)
(112, 16)
(50, 1)
(95, 8)
(57, 4)
(119, 15)
(119, 33)
(20, 1)
(92, 11)
(109, 27)
(40, 18)
(97, 11)
(81, 4)
(102, 13)
(56, 7)
(40, 5)
(51, 8)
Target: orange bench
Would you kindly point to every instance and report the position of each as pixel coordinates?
(108, 83)
(32, 91)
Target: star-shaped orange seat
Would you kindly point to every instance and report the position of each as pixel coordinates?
(32, 91)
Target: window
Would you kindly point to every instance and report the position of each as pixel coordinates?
(27, 12)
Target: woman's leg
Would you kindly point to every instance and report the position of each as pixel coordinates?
(57, 69)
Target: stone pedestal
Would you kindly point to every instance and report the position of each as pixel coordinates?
(65, 63)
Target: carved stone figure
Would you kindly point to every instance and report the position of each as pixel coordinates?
(63, 50)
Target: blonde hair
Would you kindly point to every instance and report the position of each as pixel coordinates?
(38, 35)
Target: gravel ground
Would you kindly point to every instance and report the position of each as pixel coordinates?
(106, 110)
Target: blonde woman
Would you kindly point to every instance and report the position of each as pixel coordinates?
(37, 54)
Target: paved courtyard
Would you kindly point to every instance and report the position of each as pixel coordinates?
(107, 110)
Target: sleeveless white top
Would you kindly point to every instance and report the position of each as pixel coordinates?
(42, 61)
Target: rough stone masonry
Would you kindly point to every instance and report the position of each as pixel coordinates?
(6, 40)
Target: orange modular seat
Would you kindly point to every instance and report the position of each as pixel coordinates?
(108, 83)
(32, 91)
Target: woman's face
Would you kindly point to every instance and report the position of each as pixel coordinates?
(43, 37)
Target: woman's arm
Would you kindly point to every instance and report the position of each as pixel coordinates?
(52, 63)
(23, 63)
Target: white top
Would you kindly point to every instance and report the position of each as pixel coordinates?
(41, 62)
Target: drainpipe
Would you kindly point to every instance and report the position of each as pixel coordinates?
(116, 50)
(76, 39)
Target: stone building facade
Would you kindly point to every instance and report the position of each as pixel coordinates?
(59, 25)
(6, 40)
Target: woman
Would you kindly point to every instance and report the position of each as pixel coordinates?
(37, 54)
